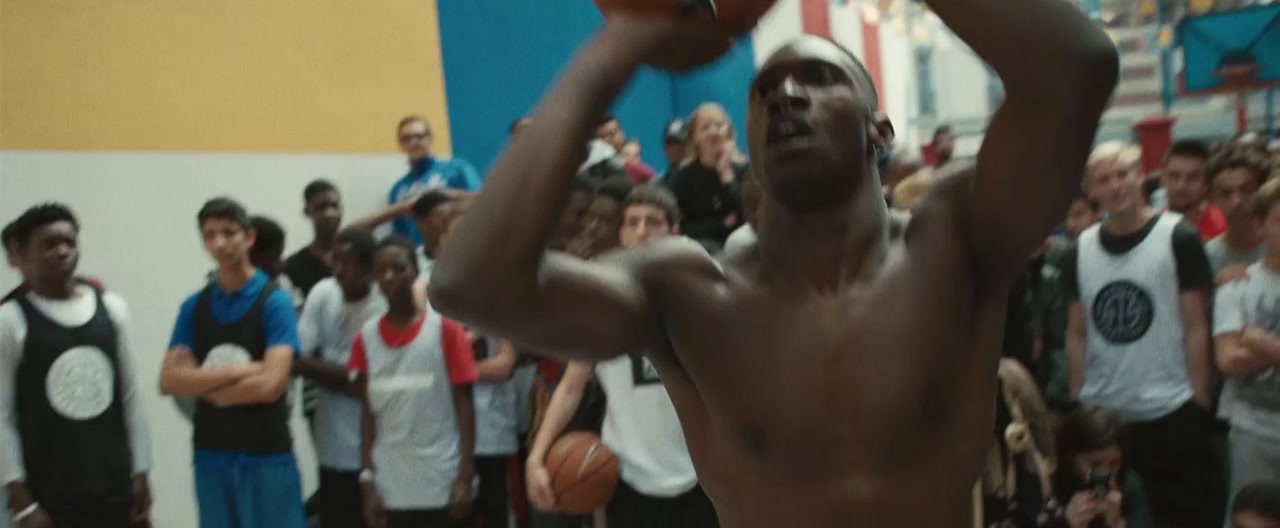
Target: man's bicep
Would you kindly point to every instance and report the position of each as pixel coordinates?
(1028, 170)
(277, 361)
(585, 309)
(1195, 308)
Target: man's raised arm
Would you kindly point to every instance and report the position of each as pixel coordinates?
(1059, 70)
(496, 275)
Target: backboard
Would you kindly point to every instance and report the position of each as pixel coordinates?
(1215, 44)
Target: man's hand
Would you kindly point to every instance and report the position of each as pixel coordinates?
(461, 497)
(672, 43)
(38, 519)
(1083, 509)
(1112, 510)
(1255, 338)
(724, 167)
(375, 515)
(141, 499)
(1237, 272)
(538, 484)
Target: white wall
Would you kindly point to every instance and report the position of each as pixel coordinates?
(139, 236)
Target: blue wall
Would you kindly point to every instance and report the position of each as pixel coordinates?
(500, 56)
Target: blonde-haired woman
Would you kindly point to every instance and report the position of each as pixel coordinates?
(709, 187)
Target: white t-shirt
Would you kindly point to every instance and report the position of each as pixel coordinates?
(412, 372)
(496, 420)
(1253, 403)
(739, 240)
(641, 427)
(1221, 256)
(424, 264)
(523, 379)
(1136, 359)
(69, 313)
(330, 325)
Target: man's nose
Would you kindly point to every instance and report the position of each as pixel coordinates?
(788, 96)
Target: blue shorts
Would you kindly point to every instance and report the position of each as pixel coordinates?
(248, 491)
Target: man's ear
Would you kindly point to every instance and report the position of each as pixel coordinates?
(881, 132)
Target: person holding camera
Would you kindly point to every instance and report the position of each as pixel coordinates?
(1093, 481)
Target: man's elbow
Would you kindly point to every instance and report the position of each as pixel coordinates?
(1097, 67)
(169, 385)
(456, 296)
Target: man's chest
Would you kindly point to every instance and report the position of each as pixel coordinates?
(827, 384)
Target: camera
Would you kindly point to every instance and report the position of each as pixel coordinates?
(1099, 481)
(1099, 485)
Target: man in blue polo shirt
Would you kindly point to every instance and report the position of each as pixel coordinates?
(233, 347)
(426, 172)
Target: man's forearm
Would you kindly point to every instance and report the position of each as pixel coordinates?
(1076, 366)
(139, 434)
(258, 388)
(329, 375)
(19, 496)
(1034, 45)
(500, 242)
(384, 215)
(564, 401)
(196, 381)
(1200, 365)
(368, 431)
(466, 411)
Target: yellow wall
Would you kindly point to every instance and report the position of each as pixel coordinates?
(218, 75)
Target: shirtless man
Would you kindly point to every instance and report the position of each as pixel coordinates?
(844, 372)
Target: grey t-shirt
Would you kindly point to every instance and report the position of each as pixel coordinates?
(1251, 403)
(1222, 256)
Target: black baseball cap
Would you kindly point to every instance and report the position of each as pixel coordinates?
(677, 131)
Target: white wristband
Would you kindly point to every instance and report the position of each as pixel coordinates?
(26, 512)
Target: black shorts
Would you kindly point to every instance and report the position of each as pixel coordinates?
(1185, 481)
(632, 509)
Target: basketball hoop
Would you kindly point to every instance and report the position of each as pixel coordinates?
(1239, 77)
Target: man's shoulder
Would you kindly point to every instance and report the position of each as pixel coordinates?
(116, 306)
(278, 299)
(189, 303)
(325, 288)
(948, 193)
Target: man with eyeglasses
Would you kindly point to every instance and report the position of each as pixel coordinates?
(426, 172)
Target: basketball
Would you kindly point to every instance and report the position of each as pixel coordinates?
(584, 473)
(736, 16)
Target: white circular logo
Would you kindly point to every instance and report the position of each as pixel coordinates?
(226, 355)
(80, 383)
(1123, 312)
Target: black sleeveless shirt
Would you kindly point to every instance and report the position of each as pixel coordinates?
(260, 429)
(70, 418)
